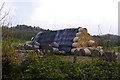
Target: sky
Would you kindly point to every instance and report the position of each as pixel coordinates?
(61, 14)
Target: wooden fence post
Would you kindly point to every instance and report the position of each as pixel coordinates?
(75, 56)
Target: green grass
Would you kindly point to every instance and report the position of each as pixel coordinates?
(116, 49)
(16, 40)
(79, 59)
(19, 41)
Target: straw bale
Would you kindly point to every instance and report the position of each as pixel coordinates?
(55, 50)
(36, 43)
(91, 43)
(87, 52)
(74, 44)
(75, 39)
(80, 29)
(54, 44)
(73, 50)
(36, 47)
(80, 51)
(84, 37)
(48, 49)
(78, 34)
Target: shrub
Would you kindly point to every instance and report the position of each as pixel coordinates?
(53, 68)
(9, 58)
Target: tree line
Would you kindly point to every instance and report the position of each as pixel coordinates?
(26, 32)
(107, 42)
(23, 32)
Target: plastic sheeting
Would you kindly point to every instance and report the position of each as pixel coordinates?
(64, 38)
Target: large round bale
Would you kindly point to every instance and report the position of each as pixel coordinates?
(73, 50)
(75, 39)
(55, 45)
(28, 47)
(36, 47)
(80, 51)
(83, 30)
(91, 43)
(20, 46)
(78, 34)
(87, 52)
(48, 49)
(36, 43)
(74, 45)
(80, 29)
(55, 50)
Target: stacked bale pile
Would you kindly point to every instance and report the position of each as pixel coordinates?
(67, 39)
(83, 42)
(83, 39)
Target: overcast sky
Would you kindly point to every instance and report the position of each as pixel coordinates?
(60, 14)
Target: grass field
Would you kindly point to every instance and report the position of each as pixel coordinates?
(79, 59)
(116, 49)
(19, 41)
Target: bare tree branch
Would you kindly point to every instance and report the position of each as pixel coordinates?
(2, 6)
(5, 19)
(5, 15)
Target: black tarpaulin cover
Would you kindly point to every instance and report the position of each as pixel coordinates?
(64, 38)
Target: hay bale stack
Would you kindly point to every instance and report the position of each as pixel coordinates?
(65, 40)
(83, 40)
